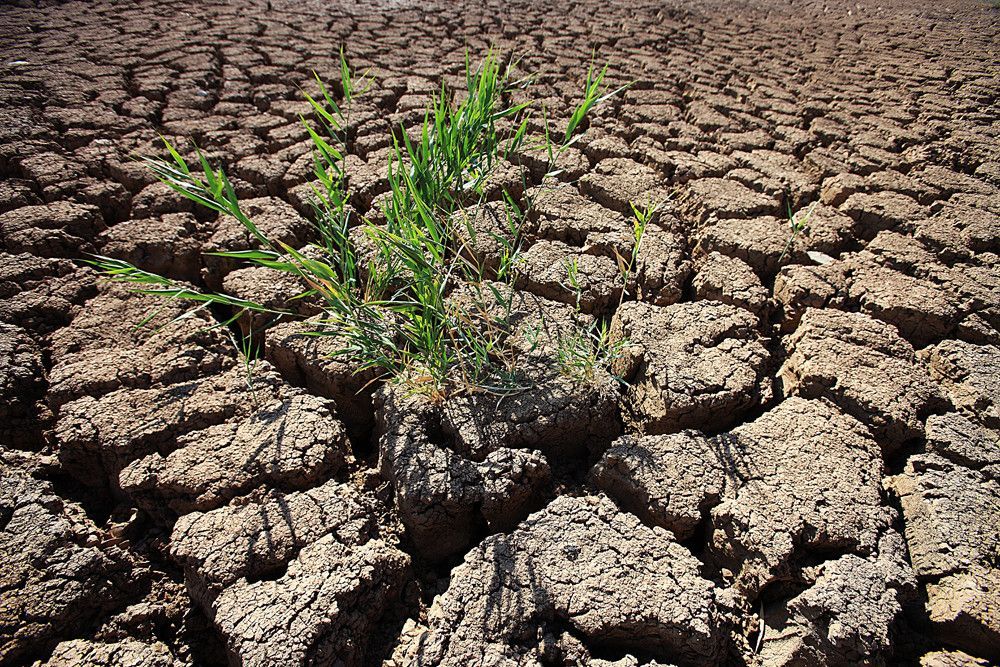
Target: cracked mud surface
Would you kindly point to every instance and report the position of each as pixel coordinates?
(804, 467)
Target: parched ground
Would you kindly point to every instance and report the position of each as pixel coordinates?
(804, 468)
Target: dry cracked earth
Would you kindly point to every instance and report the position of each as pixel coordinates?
(804, 468)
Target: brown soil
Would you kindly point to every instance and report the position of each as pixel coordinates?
(803, 470)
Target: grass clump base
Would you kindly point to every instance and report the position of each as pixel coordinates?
(389, 303)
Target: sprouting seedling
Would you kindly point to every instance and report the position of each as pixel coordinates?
(798, 226)
(581, 353)
(248, 356)
(640, 220)
(572, 283)
(593, 95)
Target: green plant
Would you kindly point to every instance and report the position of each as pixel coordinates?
(594, 94)
(391, 308)
(581, 353)
(798, 226)
(641, 218)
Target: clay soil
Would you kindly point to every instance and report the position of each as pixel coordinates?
(804, 465)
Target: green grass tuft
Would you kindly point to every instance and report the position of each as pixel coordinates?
(390, 309)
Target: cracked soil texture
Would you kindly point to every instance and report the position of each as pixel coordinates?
(802, 468)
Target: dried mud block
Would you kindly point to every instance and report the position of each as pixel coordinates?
(41, 294)
(827, 230)
(320, 611)
(272, 288)
(276, 220)
(977, 284)
(798, 181)
(846, 616)
(104, 348)
(689, 365)
(112, 320)
(956, 231)
(969, 375)
(579, 565)
(758, 241)
(59, 229)
(440, 493)
(169, 245)
(722, 198)
(617, 183)
(158, 199)
(878, 211)
(291, 579)
(863, 366)
(965, 442)
(310, 361)
(504, 179)
(55, 578)
(948, 182)
(807, 478)
(662, 267)
(536, 325)
(921, 310)
(951, 659)
(950, 524)
(22, 385)
(560, 213)
(666, 480)
(730, 280)
(291, 443)
(98, 437)
(257, 539)
(562, 417)
(798, 287)
(895, 279)
(124, 653)
(546, 269)
(570, 163)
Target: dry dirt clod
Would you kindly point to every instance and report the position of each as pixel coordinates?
(689, 365)
(107, 347)
(41, 294)
(951, 659)
(169, 245)
(59, 229)
(866, 368)
(965, 442)
(275, 219)
(617, 183)
(309, 361)
(99, 437)
(125, 653)
(969, 376)
(579, 565)
(846, 617)
(730, 280)
(292, 579)
(22, 385)
(56, 576)
(667, 480)
(547, 269)
(290, 443)
(439, 492)
(953, 536)
(804, 478)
